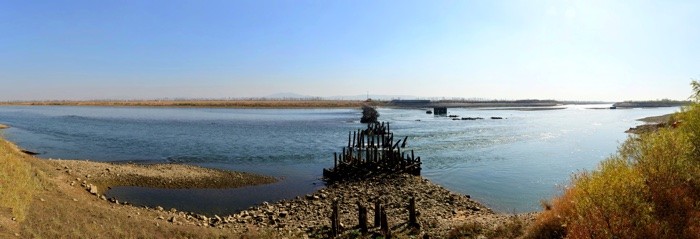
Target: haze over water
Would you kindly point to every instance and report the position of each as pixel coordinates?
(507, 164)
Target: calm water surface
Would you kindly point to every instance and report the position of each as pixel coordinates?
(509, 164)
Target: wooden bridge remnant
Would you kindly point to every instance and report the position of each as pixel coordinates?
(371, 152)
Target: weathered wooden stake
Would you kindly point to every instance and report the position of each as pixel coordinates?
(385, 225)
(366, 155)
(335, 224)
(377, 212)
(353, 139)
(342, 159)
(335, 161)
(412, 218)
(362, 217)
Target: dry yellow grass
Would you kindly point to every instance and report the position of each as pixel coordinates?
(210, 103)
(18, 180)
(38, 201)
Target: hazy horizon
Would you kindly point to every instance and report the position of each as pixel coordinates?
(563, 50)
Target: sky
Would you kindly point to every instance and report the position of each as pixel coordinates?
(560, 49)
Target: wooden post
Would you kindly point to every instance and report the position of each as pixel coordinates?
(362, 139)
(342, 158)
(335, 161)
(359, 138)
(383, 142)
(377, 212)
(366, 155)
(385, 225)
(335, 224)
(362, 217)
(412, 218)
(376, 155)
(353, 139)
(348, 139)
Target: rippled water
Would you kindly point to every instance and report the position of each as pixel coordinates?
(508, 164)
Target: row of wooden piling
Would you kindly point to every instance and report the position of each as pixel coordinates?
(370, 152)
(381, 220)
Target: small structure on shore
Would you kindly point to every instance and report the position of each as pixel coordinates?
(440, 110)
(372, 152)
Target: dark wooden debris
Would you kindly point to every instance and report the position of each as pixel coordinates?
(372, 152)
(381, 221)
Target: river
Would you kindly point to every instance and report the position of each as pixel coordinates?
(509, 164)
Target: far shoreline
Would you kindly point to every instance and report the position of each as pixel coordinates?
(303, 104)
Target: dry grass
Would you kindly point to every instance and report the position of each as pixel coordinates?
(211, 103)
(18, 180)
(514, 227)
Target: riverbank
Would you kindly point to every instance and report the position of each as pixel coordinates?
(74, 189)
(652, 123)
(296, 103)
(253, 103)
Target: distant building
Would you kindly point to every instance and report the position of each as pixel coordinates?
(440, 110)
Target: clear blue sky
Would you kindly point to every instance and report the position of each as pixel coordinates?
(567, 50)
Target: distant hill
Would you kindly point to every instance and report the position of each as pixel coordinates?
(288, 95)
(374, 97)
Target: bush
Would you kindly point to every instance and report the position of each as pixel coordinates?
(649, 189)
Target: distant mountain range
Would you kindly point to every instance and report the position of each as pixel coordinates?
(291, 95)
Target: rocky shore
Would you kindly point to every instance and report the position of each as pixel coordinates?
(652, 124)
(307, 216)
(439, 209)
